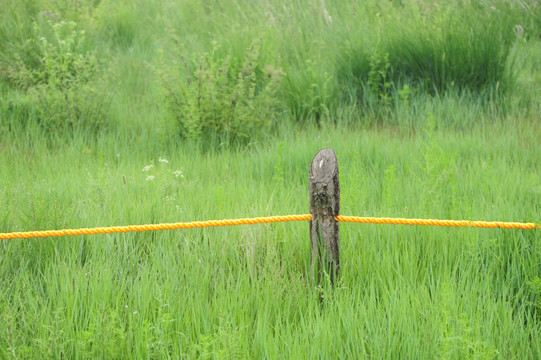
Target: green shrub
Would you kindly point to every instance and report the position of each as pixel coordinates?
(216, 99)
(16, 28)
(63, 59)
(378, 77)
(55, 91)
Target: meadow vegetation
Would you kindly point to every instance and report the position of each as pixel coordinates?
(145, 111)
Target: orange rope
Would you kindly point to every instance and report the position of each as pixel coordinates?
(170, 226)
(434, 222)
(265, 220)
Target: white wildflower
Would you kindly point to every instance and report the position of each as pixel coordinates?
(169, 198)
(150, 178)
(165, 161)
(135, 312)
(178, 173)
(148, 167)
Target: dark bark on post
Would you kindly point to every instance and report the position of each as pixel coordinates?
(324, 206)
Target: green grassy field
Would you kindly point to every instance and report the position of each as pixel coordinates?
(135, 112)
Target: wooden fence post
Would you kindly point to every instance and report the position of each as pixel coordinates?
(324, 206)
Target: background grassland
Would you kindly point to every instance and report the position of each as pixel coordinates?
(132, 112)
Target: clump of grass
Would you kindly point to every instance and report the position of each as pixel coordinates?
(466, 46)
(308, 92)
(116, 24)
(435, 48)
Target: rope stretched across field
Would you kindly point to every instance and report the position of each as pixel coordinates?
(435, 222)
(153, 227)
(266, 220)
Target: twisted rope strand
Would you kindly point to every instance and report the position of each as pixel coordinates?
(435, 222)
(266, 220)
(152, 227)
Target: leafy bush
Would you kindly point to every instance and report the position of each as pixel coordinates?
(215, 98)
(56, 90)
(63, 59)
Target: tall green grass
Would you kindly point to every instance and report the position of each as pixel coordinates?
(245, 292)
(432, 109)
(329, 60)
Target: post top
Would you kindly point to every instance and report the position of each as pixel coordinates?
(324, 166)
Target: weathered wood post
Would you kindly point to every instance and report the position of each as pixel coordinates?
(324, 206)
